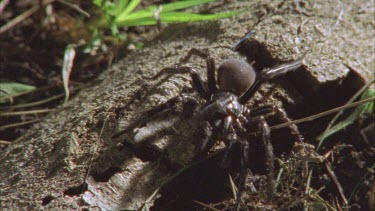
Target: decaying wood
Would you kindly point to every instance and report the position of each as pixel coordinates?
(70, 161)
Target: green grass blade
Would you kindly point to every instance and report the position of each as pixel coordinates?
(176, 17)
(177, 5)
(357, 113)
(138, 22)
(149, 11)
(129, 8)
(97, 2)
(183, 4)
(121, 6)
(10, 89)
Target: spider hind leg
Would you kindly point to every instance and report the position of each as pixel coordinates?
(269, 157)
(266, 149)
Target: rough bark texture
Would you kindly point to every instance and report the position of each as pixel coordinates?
(70, 161)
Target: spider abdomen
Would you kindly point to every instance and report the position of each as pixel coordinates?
(235, 76)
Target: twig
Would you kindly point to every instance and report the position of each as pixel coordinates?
(75, 7)
(308, 181)
(279, 177)
(313, 117)
(19, 19)
(33, 103)
(22, 17)
(206, 205)
(18, 113)
(233, 187)
(337, 204)
(5, 142)
(324, 202)
(333, 177)
(19, 124)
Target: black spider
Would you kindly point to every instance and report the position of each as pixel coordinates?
(225, 108)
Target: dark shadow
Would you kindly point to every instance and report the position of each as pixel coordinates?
(205, 182)
(46, 200)
(76, 190)
(107, 174)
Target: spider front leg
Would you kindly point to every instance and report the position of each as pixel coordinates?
(269, 73)
(188, 102)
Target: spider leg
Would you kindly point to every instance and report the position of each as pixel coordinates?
(268, 74)
(210, 62)
(207, 140)
(242, 41)
(188, 101)
(243, 171)
(269, 156)
(226, 127)
(281, 114)
(225, 134)
(151, 152)
(225, 162)
(198, 83)
(243, 148)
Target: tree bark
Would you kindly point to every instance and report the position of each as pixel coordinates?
(70, 161)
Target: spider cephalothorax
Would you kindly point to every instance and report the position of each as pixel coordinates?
(225, 107)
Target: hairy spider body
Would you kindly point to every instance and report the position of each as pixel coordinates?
(235, 76)
(225, 108)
